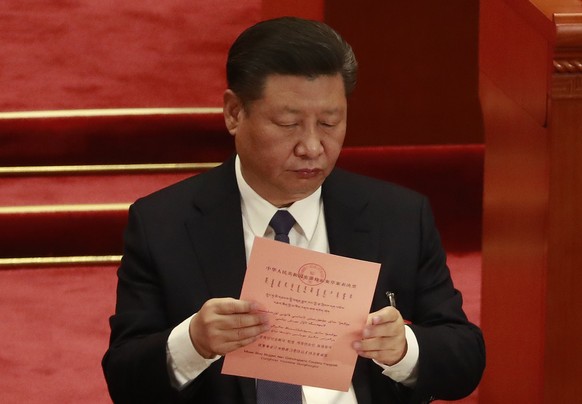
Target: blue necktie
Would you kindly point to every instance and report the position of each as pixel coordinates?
(269, 392)
(282, 222)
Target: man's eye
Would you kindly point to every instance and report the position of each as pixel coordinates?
(327, 124)
(287, 125)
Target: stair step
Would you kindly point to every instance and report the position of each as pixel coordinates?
(62, 233)
(130, 136)
(93, 185)
(81, 214)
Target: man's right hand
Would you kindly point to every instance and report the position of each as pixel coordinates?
(225, 324)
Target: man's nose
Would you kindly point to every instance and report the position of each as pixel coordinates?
(309, 144)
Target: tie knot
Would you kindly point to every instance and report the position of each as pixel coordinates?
(282, 222)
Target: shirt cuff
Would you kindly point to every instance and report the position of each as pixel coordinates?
(184, 362)
(405, 371)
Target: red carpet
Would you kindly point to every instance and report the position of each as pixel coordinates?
(76, 189)
(82, 226)
(54, 330)
(144, 138)
(104, 54)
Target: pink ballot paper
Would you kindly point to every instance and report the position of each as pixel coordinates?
(318, 305)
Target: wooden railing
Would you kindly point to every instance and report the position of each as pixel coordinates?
(531, 94)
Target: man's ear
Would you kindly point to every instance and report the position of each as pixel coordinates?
(233, 111)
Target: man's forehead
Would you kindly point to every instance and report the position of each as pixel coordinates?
(285, 94)
(274, 84)
(309, 77)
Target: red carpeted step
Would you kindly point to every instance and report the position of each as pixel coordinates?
(55, 234)
(45, 213)
(94, 188)
(54, 333)
(113, 137)
(71, 215)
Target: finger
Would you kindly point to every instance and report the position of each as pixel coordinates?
(231, 306)
(378, 344)
(226, 327)
(393, 329)
(386, 356)
(385, 350)
(227, 347)
(213, 340)
(241, 321)
(385, 315)
(241, 334)
(224, 341)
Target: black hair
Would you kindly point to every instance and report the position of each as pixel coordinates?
(287, 46)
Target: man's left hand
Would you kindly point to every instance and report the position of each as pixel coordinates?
(383, 337)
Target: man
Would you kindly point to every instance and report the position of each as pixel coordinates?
(186, 247)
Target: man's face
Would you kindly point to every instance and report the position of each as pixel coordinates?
(289, 140)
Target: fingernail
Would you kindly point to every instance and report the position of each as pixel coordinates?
(366, 333)
(357, 345)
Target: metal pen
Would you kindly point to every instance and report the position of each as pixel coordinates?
(392, 302)
(391, 298)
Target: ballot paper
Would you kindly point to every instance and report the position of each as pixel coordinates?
(318, 304)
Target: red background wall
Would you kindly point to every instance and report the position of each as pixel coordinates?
(418, 80)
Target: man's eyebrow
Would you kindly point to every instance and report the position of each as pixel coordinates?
(291, 110)
(330, 111)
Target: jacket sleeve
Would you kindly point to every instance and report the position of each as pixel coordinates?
(451, 349)
(135, 363)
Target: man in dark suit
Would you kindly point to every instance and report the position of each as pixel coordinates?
(186, 247)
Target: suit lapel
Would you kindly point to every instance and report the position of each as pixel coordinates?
(349, 223)
(216, 233)
(350, 232)
(217, 238)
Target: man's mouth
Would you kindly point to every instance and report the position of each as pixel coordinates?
(308, 172)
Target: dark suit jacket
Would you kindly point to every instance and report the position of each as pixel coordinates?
(184, 245)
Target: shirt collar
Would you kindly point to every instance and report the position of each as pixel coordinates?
(257, 212)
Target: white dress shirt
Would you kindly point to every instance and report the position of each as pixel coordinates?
(309, 231)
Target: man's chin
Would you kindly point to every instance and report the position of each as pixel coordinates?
(288, 198)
